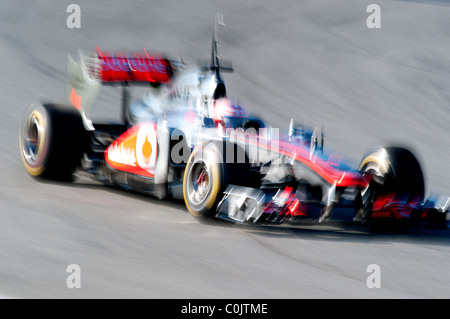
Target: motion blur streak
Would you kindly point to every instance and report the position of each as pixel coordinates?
(311, 60)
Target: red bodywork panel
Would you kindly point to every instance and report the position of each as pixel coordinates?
(392, 206)
(133, 67)
(328, 170)
(135, 151)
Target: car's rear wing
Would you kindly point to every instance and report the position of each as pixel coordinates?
(86, 76)
(132, 67)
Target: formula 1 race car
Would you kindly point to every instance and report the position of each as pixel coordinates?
(186, 139)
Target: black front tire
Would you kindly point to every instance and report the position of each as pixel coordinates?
(394, 171)
(208, 173)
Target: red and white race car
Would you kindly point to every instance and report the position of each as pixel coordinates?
(186, 139)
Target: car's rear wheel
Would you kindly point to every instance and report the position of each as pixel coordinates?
(207, 174)
(52, 138)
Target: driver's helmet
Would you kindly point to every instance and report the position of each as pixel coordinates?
(227, 114)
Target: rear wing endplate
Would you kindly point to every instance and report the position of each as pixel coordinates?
(86, 76)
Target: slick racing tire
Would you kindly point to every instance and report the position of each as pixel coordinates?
(394, 170)
(210, 169)
(51, 141)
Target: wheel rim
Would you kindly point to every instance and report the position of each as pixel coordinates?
(199, 183)
(32, 138)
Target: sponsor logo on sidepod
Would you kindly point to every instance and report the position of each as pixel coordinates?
(135, 151)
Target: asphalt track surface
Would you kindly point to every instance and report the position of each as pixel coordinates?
(312, 60)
